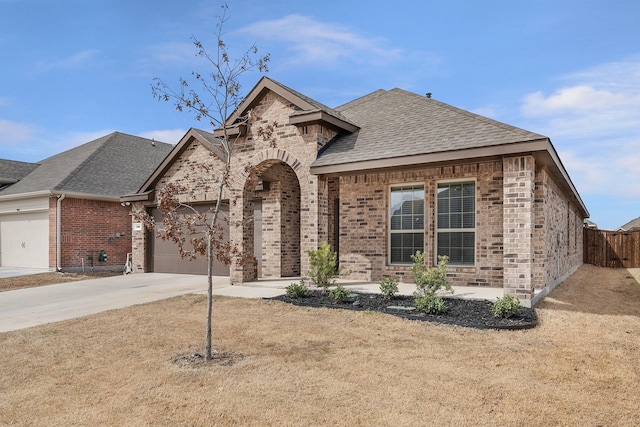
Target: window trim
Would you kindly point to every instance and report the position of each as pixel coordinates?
(424, 217)
(437, 230)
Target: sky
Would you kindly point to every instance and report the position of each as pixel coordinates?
(74, 70)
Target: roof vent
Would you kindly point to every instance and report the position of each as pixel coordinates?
(428, 95)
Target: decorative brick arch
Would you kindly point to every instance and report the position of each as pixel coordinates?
(275, 207)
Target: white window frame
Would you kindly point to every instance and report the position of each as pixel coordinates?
(412, 231)
(438, 230)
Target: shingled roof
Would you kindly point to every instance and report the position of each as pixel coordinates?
(110, 166)
(397, 123)
(634, 224)
(12, 171)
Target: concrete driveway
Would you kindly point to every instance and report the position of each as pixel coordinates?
(34, 306)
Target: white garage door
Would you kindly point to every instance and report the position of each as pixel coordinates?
(24, 240)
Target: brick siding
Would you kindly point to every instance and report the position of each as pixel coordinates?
(87, 226)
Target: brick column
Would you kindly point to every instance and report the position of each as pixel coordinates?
(241, 235)
(518, 227)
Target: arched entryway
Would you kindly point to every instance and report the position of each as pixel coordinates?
(272, 220)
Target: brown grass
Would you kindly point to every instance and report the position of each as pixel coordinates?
(44, 279)
(306, 366)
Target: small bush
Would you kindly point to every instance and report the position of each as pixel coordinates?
(430, 280)
(297, 290)
(389, 287)
(339, 294)
(323, 262)
(506, 306)
(429, 304)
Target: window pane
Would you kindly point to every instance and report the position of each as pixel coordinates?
(443, 221)
(468, 204)
(396, 222)
(455, 221)
(407, 222)
(396, 254)
(455, 255)
(407, 208)
(458, 246)
(418, 224)
(403, 245)
(468, 239)
(455, 205)
(469, 189)
(443, 205)
(468, 220)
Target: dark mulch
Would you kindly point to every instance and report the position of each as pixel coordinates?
(461, 312)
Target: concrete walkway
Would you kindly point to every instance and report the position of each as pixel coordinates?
(24, 308)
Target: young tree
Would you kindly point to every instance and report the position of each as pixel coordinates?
(217, 95)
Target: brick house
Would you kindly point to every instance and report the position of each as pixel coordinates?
(379, 178)
(60, 212)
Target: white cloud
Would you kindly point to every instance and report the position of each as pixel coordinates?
(14, 133)
(313, 42)
(593, 119)
(579, 98)
(173, 53)
(601, 101)
(77, 60)
(171, 136)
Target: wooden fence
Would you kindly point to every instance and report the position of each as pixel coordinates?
(614, 249)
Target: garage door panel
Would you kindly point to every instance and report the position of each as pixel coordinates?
(166, 256)
(24, 240)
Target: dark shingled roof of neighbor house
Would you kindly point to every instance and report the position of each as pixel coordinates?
(110, 166)
(12, 170)
(397, 123)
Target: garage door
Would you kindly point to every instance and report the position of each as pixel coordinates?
(24, 240)
(165, 258)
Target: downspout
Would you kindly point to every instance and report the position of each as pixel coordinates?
(58, 232)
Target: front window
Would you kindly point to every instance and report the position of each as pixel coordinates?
(456, 222)
(406, 223)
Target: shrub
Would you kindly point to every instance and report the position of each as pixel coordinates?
(339, 294)
(389, 287)
(506, 306)
(429, 304)
(430, 280)
(323, 262)
(297, 290)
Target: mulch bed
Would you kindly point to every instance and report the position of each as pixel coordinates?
(462, 312)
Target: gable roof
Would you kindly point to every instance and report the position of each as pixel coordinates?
(145, 189)
(307, 109)
(12, 171)
(633, 224)
(104, 168)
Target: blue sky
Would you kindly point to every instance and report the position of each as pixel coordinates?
(75, 70)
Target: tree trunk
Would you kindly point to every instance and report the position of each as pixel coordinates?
(207, 347)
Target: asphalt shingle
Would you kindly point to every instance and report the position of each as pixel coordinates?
(113, 165)
(397, 123)
(13, 170)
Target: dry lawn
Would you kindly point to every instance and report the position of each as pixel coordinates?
(308, 367)
(44, 279)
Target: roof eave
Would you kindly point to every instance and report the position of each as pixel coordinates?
(322, 117)
(537, 147)
(146, 196)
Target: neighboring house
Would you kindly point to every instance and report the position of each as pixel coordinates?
(61, 212)
(634, 224)
(590, 224)
(380, 178)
